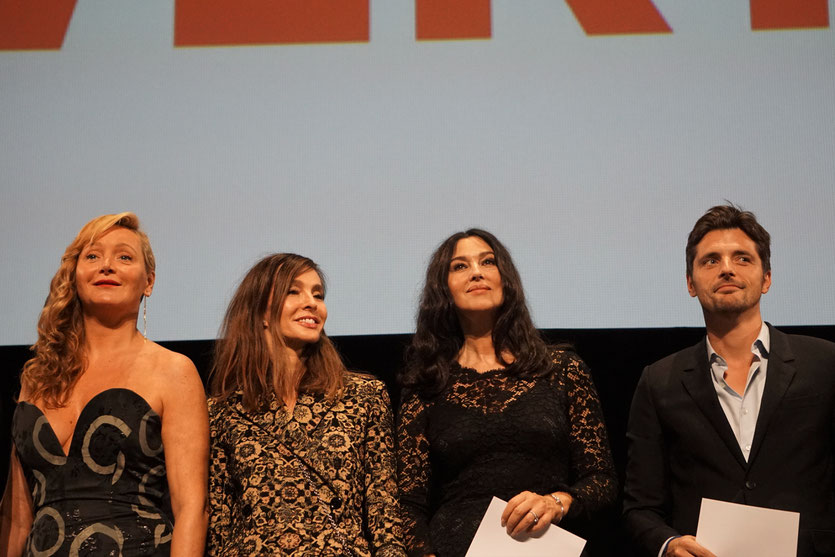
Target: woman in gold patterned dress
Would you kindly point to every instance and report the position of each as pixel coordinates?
(301, 450)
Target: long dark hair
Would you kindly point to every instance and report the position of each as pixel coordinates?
(243, 360)
(438, 336)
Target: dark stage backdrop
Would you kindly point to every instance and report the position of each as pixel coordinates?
(616, 357)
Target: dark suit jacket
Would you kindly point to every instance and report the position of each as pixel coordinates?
(681, 447)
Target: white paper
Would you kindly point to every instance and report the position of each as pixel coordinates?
(746, 531)
(491, 539)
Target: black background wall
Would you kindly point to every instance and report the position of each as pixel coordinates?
(616, 358)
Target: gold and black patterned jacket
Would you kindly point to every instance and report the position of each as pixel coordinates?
(319, 482)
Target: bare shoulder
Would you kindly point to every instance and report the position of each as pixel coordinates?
(170, 364)
(173, 377)
(24, 394)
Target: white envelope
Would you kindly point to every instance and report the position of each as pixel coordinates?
(491, 539)
(746, 531)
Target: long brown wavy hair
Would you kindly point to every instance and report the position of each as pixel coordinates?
(243, 359)
(59, 359)
(438, 336)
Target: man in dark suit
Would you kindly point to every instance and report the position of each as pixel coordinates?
(746, 416)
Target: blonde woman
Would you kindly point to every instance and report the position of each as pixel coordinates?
(302, 452)
(111, 431)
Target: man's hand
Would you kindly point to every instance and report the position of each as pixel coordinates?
(686, 546)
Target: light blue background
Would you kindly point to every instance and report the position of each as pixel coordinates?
(590, 157)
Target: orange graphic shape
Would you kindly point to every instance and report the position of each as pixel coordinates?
(247, 22)
(618, 17)
(785, 14)
(34, 24)
(452, 19)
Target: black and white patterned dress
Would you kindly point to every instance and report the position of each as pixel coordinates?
(109, 494)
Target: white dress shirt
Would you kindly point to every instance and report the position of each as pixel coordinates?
(742, 409)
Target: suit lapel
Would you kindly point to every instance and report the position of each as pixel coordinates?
(305, 433)
(697, 382)
(300, 433)
(296, 434)
(779, 375)
(298, 437)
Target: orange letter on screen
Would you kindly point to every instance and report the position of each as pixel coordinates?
(34, 24)
(235, 22)
(785, 14)
(452, 19)
(618, 17)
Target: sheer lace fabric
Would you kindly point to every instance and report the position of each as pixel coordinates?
(491, 434)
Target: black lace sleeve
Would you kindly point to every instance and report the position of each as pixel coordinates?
(596, 483)
(414, 474)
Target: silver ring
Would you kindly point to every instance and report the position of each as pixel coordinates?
(535, 517)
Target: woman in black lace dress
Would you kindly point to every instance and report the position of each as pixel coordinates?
(489, 410)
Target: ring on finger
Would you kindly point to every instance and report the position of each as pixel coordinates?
(535, 516)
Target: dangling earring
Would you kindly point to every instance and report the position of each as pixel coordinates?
(145, 317)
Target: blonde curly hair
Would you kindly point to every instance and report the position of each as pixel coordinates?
(51, 373)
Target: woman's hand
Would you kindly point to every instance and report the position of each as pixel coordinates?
(16, 512)
(529, 513)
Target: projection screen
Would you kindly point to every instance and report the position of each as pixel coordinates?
(588, 136)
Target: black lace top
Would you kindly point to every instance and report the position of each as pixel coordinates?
(491, 434)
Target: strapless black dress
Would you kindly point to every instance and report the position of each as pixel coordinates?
(109, 494)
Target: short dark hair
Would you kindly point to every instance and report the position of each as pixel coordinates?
(724, 217)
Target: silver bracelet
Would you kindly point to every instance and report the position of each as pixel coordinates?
(559, 502)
